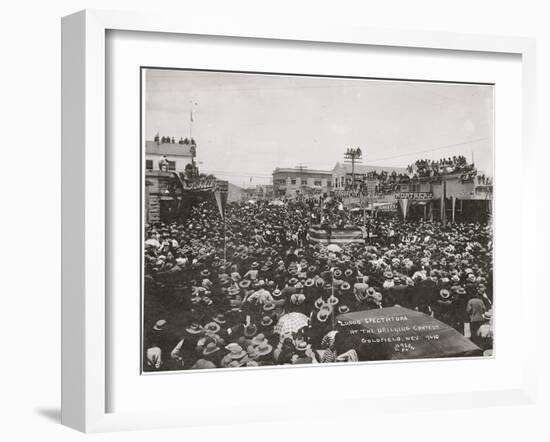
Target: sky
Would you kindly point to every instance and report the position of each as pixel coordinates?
(245, 125)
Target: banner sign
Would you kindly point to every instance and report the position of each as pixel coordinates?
(221, 186)
(200, 184)
(415, 196)
(220, 194)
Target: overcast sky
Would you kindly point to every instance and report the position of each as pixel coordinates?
(245, 125)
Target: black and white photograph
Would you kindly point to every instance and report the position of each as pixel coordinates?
(307, 219)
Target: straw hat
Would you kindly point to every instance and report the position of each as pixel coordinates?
(324, 313)
(235, 351)
(159, 325)
(266, 321)
(194, 329)
(212, 327)
(210, 348)
(343, 309)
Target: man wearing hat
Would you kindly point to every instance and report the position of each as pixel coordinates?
(475, 309)
(235, 354)
(261, 295)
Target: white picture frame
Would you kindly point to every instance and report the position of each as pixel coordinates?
(85, 232)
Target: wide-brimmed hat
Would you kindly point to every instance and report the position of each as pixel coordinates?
(309, 282)
(276, 293)
(259, 339)
(194, 329)
(220, 318)
(268, 306)
(210, 348)
(235, 351)
(324, 313)
(266, 321)
(159, 325)
(333, 300)
(348, 272)
(444, 293)
(343, 309)
(302, 346)
(205, 273)
(461, 291)
(263, 349)
(388, 275)
(320, 282)
(319, 302)
(345, 287)
(254, 265)
(233, 291)
(212, 327)
(245, 283)
(292, 281)
(337, 273)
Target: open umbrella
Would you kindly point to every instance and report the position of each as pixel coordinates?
(399, 333)
(290, 323)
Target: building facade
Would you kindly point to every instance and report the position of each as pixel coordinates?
(343, 174)
(178, 154)
(294, 182)
(451, 197)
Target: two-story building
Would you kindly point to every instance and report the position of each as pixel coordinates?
(452, 196)
(294, 182)
(178, 154)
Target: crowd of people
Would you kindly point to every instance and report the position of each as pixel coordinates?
(171, 140)
(432, 168)
(252, 290)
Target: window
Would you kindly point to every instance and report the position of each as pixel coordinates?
(171, 165)
(293, 181)
(148, 164)
(317, 183)
(303, 181)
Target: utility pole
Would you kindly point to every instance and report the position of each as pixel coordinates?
(301, 168)
(444, 171)
(353, 156)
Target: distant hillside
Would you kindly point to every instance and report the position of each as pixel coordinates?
(233, 192)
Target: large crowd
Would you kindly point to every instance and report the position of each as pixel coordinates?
(252, 290)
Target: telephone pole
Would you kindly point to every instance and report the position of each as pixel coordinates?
(301, 168)
(353, 156)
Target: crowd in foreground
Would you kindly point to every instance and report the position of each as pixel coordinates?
(267, 296)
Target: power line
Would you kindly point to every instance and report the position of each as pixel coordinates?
(430, 150)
